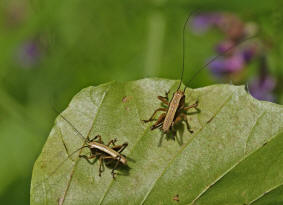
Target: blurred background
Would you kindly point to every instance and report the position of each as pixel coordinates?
(51, 49)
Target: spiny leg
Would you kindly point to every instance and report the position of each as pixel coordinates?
(123, 147)
(87, 158)
(152, 116)
(101, 165)
(163, 99)
(191, 106)
(120, 148)
(159, 121)
(96, 137)
(116, 165)
(178, 119)
(184, 117)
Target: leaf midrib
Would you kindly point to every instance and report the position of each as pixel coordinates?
(76, 162)
(141, 137)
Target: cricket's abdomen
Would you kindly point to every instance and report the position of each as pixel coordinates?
(173, 106)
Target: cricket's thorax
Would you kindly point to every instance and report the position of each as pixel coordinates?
(173, 106)
(108, 150)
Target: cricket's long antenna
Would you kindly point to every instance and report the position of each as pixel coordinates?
(77, 131)
(217, 56)
(183, 42)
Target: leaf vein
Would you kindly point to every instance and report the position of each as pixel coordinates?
(181, 150)
(62, 199)
(143, 134)
(266, 192)
(252, 129)
(228, 171)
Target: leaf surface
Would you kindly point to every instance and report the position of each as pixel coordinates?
(234, 156)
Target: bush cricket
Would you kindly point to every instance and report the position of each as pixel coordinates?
(175, 110)
(107, 154)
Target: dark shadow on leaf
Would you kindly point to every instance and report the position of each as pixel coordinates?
(122, 169)
(175, 134)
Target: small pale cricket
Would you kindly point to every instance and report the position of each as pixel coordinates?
(106, 153)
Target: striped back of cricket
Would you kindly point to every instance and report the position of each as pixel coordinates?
(173, 106)
(108, 150)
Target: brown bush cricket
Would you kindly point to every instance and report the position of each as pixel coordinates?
(108, 154)
(175, 110)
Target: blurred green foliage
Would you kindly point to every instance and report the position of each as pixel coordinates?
(82, 43)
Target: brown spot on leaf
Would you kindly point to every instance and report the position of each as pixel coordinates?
(126, 99)
(176, 198)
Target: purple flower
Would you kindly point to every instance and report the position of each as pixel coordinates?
(28, 54)
(224, 46)
(261, 88)
(229, 64)
(249, 53)
(203, 22)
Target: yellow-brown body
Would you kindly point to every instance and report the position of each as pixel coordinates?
(172, 109)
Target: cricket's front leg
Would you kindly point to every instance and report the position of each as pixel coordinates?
(163, 99)
(87, 158)
(152, 116)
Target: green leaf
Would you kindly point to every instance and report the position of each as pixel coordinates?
(235, 155)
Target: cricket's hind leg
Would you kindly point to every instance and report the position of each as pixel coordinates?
(113, 163)
(118, 158)
(159, 121)
(113, 141)
(120, 148)
(101, 165)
